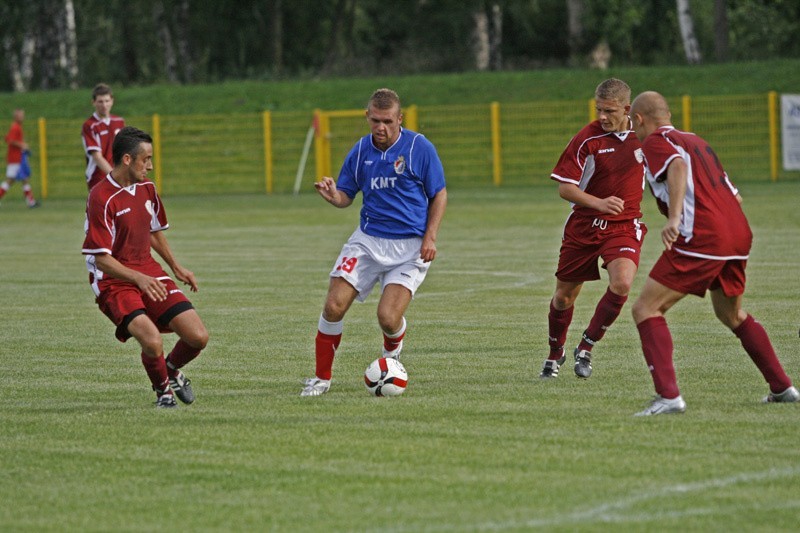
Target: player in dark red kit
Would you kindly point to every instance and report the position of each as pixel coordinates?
(124, 221)
(98, 133)
(601, 173)
(707, 242)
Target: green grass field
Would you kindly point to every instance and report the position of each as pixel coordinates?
(476, 443)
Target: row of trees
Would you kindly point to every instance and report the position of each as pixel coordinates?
(68, 43)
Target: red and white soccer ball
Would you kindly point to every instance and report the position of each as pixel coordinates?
(386, 377)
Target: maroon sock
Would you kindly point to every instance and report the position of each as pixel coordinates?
(325, 350)
(180, 355)
(756, 343)
(156, 368)
(559, 322)
(657, 347)
(606, 312)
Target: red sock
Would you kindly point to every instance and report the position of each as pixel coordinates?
(26, 189)
(179, 357)
(657, 348)
(606, 312)
(756, 343)
(156, 368)
(3, 191)
(559, 322)
(326, 346)
(391, 343)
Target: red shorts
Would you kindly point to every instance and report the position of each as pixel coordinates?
(586, 240)
(696, 275)
(122, 302)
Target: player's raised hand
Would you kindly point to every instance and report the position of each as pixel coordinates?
(326, 187)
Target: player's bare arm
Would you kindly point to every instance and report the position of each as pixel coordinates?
(612, 205)
(435, 214)
(158, 241)
(326, 187)
(676, 185)
(148, 285)
(100, 161)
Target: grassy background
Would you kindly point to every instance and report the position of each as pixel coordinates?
(476, 443)
(469, 88)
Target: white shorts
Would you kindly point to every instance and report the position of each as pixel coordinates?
(12, 170)
(366, 260)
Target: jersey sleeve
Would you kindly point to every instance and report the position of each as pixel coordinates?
(89, 140)
(425, 162)
(159, 219)
(659, 153)
(569, 168)
(348, 175)
(98, 227)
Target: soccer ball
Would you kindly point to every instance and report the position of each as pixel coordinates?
(386, 377)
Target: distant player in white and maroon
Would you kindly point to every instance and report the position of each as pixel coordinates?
(98, 135)
(707, 243)
(401, 178)
(601, 173)
(124, 221)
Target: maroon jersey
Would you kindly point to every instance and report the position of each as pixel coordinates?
(713, 225)
(98, 135)
(604, 164)
(119, 221)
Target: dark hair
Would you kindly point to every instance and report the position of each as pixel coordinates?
(129, 141)
(101, 89)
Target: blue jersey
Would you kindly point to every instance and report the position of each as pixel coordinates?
(397, 184)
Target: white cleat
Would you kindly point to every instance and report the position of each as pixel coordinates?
(394, 354)
(315, 387)
(790, 395)
(664, 406)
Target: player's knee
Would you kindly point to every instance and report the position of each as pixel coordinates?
(198, 339)
(639, 310)
(152, 345)
(390, 321)
(621, 287)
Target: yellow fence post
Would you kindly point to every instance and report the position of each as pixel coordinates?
(592, 110)
(686, 106)
(773, 135)
(267, 122)
(157, 150)
(497, 162)
(319, 149)
(411, 118)
(43, 155)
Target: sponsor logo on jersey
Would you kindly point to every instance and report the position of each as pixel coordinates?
(400, 165)
(639, 154)
(126, 210)
(606, 150)
(627, 249)
(382, 182)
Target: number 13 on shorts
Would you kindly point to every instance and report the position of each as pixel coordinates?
(347, 264)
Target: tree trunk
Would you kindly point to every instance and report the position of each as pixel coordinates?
(480, 40)
(165, 36)
(690, 46)
(50, 44)
(721, 30)
(575, 10)
(71, 41)
(182, 38)
(496, 38)
(277, 36)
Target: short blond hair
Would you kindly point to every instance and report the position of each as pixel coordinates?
(384, 99)
(613, 89)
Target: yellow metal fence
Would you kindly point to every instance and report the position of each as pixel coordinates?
(480, 145)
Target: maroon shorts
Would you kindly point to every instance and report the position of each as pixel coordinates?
(696, 275)
(586, 240)
(122, 302)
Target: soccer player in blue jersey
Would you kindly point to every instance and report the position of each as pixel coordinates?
(401, 178)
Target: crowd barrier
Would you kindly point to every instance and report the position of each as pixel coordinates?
(480, 145)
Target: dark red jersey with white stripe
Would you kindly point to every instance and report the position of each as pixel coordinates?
(713, 225)
(604, 164)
